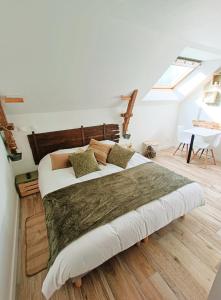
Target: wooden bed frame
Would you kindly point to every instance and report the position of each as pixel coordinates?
(47, 142)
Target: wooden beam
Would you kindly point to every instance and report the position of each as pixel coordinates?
(128, 113)
(5, 126)
(125, 115)
(9, 126)
(13, 100)
(127, 98)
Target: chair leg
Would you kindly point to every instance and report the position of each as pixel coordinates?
(213, 156)
(177, 149)
(206, 158)
(195, 154)
(183, 147)
(201, 153)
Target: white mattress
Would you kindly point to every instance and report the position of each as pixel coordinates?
(100, 244)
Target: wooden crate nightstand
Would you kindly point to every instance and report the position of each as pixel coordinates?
(27, 184)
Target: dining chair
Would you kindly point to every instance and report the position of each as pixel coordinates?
(205, 147)
(183, 139)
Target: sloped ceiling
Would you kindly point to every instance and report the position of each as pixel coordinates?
(65, 55)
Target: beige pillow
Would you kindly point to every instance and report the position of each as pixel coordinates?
(60, 160)
(120, 156)
(101, 150)
(84, 163)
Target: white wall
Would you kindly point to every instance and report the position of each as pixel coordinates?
(190, 108)
(150, 121)
(8, 227)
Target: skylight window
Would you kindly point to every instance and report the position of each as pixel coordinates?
(180, 69)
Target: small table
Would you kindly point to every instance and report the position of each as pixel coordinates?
(199, 131)
(27, 184)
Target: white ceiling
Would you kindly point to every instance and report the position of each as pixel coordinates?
(198, 54)
(65, 55)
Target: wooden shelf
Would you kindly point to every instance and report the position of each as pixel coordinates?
(216, 80)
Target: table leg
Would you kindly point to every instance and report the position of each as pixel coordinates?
(190, 149)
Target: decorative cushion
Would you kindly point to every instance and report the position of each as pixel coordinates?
(60, 161)
(101, 151)
(119, 156)
(84, 163)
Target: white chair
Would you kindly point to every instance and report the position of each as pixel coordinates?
(183, 139)
(206, 146)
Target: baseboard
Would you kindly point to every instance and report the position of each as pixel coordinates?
(15, 252)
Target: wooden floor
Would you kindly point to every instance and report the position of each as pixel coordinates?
(178, 262)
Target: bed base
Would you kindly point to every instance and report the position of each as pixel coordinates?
(145, 240)
(78, 282)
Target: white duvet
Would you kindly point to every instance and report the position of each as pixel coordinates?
(100, 244)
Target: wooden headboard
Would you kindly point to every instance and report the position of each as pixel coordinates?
(47, 142)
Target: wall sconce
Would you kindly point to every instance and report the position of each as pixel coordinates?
(15, 156)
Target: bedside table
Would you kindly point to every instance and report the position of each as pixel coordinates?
(27, 185)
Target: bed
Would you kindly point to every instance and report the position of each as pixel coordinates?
(100, 244)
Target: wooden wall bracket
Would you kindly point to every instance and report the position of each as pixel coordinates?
(131, 100)
(7, 127)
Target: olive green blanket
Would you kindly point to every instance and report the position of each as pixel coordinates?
(74, 210)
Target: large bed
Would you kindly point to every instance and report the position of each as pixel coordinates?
(100, 244)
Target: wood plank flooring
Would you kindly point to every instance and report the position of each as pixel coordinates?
(178, 262)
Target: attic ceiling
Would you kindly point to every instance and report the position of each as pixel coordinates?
(66, 55)
(199, 54)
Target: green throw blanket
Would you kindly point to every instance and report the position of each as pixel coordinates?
(74, 210)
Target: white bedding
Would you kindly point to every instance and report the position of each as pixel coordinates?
(100, 244)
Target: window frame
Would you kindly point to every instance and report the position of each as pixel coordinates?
(180, 61)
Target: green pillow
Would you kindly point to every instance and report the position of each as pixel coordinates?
(84, 163)
(119, 156)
